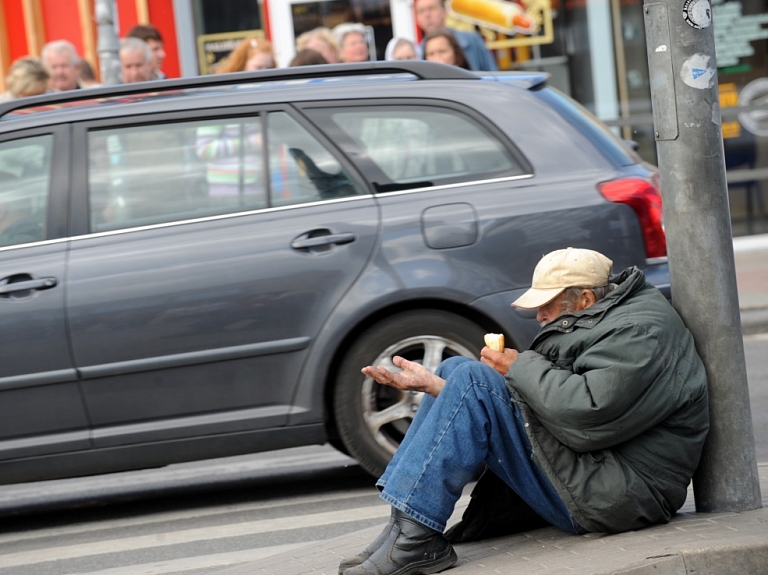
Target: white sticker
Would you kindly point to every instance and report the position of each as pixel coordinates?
(696, 72)
(697, 13)
(662, 48)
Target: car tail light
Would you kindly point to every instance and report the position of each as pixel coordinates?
(643, 197)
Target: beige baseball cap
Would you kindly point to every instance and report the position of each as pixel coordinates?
(562, 269)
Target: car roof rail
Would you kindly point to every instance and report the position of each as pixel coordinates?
(422, 69)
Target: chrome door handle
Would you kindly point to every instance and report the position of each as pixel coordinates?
(313, 242)
(38, 284)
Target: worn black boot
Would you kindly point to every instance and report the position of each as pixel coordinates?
(410, 548)
(358, 559)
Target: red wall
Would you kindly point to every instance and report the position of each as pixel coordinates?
(17, 35)
(162, 17)
(62, 22)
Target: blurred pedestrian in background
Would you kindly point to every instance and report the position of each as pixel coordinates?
(431, 15)
(63, 64)
(353, 43)
(402, 49)
(154, 40)
(307, 57)
(320, 40)
(253, 53)
(26, 77)
(135, 60)
(87, 77)
(441, 45)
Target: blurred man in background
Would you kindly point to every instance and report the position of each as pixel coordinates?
(431, 15)
(135, 60)
(154, 40)
(63, 63)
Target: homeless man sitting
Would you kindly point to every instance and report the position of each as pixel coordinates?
(598, 427)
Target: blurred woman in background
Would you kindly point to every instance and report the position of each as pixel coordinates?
(402, 49)
(307, 57)
(320, 40)
(353, 42)
(441, 45)
(253, 53)
(27, 76)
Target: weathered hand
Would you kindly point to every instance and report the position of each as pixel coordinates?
(498, 360)
(414, 377)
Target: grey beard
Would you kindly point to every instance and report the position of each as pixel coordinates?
(569, 307)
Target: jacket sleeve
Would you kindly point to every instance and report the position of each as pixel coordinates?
(604, 398)
(484, 57)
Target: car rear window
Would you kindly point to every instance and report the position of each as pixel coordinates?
(404, 147)
(610, 145)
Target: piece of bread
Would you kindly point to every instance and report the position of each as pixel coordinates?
(495, 341)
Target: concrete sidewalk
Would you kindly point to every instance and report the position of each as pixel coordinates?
(700, 543)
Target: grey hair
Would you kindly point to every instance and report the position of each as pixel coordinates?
(131, 44)
(571, 294)
(60, 46)
(340, 31)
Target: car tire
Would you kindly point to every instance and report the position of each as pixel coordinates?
(372, 419)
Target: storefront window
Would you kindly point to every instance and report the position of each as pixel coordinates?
(215, 16)
(602, 45)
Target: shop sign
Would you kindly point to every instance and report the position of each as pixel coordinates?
(735, 32)
(504, 23)
(212, 48)
(729, 98)
(754, 94)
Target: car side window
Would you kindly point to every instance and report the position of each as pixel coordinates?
(25, 178)
(419, 146)
(162, 173)
(301, 168)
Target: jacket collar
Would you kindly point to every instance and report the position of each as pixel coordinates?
(628, 282)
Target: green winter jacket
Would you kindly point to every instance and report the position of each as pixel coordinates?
(615, 403)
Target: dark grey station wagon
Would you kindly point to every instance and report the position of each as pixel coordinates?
(199, 268)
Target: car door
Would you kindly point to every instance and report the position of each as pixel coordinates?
(41, 411)
(214, 248)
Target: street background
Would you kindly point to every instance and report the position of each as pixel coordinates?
(298, 510)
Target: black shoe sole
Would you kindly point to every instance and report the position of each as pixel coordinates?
(429, 567)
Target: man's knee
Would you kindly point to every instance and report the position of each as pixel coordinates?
(448, 366)
(479, 372)
(465, 371)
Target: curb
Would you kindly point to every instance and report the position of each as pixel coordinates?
(745, 244)
(728, 560)
(754, 321)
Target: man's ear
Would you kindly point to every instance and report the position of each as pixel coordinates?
(587, 299)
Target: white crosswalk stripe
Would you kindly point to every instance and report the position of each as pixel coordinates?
(199, 562)
(189, 536)
(145, 521)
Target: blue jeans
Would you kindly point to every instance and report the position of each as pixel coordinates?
(472, 420)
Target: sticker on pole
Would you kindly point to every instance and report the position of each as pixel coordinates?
(697, 13)
(696, 72)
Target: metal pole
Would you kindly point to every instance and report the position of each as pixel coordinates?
(108, 44)
(686, 113)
